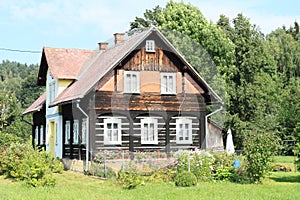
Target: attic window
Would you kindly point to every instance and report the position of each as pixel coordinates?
(150, 46)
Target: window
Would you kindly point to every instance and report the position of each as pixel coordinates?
(112, 131)
(131, 82)
(83, 131)
(184, 131)
(75, 132)
(168, 83)
(52, 91)
(36, 135)
(150, 46)
(67, 132)
(149, 131)
(41, 134)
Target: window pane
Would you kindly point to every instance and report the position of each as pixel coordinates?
(83, 131)
(36, 135)
(134, 83)
(115, 126)
(128, 82)
(170, 85)
(109, 135)
(165, 83)
(186, 131)
(67, 132)
(151, 132)
(41, 135)
(115, 135)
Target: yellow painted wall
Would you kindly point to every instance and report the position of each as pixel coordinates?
(178, 82)
(120, 78)
(109, 85)
(190, 88)
(150, 81)
(62, 85)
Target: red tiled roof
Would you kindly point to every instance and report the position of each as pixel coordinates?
(88, 66)
(98, 67)
(37, 105)
(67, 63)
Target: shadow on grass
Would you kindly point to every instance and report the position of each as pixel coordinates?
(289, 179)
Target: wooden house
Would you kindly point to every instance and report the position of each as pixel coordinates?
(138, 94)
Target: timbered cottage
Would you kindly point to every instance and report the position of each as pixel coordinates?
(138, 94)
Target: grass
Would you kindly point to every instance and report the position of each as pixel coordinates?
(71, 185)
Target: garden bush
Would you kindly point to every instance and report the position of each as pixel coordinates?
(129, 180)
(22, 162)
(97, 169)
(185, 179)
(225, 173)
(201, 163)
(258, 151)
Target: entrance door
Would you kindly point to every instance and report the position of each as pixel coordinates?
(52, 134)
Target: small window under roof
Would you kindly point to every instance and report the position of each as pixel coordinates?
(150, 46)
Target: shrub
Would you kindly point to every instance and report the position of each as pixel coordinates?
(258, 151)
(225, 173)
(22, 162)
(201, 163)
(296, 149)
(185, 179)
(57, 166)
(98, 170)
(129, 180)
(6, 139)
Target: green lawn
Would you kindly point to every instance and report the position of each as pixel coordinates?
(71, 185)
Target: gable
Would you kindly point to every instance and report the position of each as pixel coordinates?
(63, 63)
(104, 63)
(150, 65)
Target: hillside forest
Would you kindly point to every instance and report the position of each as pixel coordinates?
(260, 73)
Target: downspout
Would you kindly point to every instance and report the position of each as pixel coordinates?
(87, 136)
(206, 124)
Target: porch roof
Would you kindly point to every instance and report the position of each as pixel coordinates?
(37, 105)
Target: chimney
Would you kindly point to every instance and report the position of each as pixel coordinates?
(119, 37)
(103, 45)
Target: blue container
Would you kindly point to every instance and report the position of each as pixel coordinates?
(237, 163)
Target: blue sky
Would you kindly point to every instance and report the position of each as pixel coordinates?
(33, 24)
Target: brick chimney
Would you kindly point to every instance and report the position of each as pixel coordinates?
(119, 37)
(103, 45)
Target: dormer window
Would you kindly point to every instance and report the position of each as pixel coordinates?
(150, 46)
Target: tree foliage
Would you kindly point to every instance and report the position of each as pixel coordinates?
(19, 90)
(260, 72)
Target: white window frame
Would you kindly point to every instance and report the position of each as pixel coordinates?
(67, 131)
(83, 130)
(146, 131)
(168, 85)
(131, 86)
(76, 131)
(37, 135)
(108, 131)
(182, 131)
(52, 91)
(41, 134)
(150, 46)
